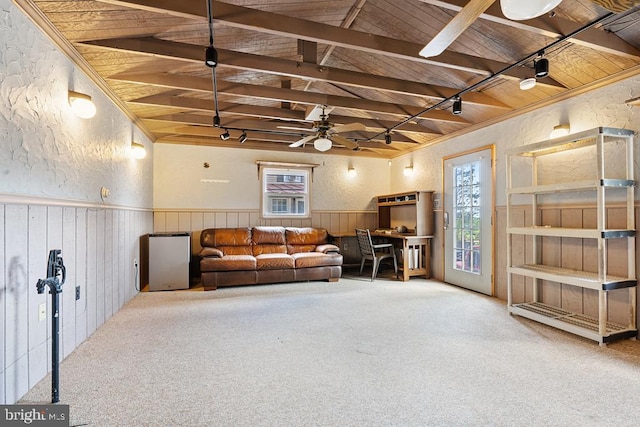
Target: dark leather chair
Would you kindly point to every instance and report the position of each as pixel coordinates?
(374, 253)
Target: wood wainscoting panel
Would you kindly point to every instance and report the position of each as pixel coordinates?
(551, 252)
(571, 257)
(194, 221)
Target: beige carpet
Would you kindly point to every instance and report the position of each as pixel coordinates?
(352, 353)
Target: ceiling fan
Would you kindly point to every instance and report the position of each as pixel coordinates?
(516, 10)
(326, 133)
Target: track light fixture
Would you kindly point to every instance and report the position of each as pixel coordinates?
(541, 65)
(387, 138)
(242, 138)
(224, 136)
(211, 57)
(457, 105)
(216, 121)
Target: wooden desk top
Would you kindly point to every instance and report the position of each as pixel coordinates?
(390, 234)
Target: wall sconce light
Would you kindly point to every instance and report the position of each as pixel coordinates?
(560, 130)
(82, 105)
(351, 171)
(408, 171)
(138, 151)
(224, 136)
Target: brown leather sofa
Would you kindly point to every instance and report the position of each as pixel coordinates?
(251, 256)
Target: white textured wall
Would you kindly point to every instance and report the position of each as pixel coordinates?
(178, 170)
(47, 150)
(52, 166)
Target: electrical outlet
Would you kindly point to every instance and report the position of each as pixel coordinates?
(77, 293)
(42, 311)
(345, 247)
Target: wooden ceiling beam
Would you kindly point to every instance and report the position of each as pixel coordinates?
(252, 127)
(401, 111)
(277, 143)
(199, 84)
(553, 27)
(282, 25)
(371, 125)
(288, 68)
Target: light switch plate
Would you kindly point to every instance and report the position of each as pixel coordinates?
(42, 311)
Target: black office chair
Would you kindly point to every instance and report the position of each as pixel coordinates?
(374, 253)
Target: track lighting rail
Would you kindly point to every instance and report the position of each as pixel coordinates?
(505, 70)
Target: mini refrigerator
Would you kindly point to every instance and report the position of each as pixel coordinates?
(169, 256)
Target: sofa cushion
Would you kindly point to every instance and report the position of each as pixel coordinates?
(316, 259)
(274, 261)
(228, 263)
(268, 240)
(231, 241)
(212, 237)
(305, 239)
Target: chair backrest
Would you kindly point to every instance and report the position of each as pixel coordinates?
(364, 241)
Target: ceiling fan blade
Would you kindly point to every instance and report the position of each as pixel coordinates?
(303, 141)
(351, 127)
(617, 5)
(455, 27)
(351, 145)
(299, 129)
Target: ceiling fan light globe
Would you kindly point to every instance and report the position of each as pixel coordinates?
(322, 144)
(519, 10)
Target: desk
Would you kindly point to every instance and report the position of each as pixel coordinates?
(416, 253)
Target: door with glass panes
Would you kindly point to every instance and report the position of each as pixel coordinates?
(467, 215)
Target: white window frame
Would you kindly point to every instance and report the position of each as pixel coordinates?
(294, 198)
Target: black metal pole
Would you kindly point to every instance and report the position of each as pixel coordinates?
(55, 342)
(55, 272)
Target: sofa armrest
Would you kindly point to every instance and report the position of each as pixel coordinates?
(327, 248)
(211, 252)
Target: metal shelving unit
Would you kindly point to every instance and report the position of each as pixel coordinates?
(599, 329)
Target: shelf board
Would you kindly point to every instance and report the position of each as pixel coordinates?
(573, 186)
(583, 279)
(569, 142)
(580, 233)
(578, 324)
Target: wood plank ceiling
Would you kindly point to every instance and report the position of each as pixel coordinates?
(280, 58)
